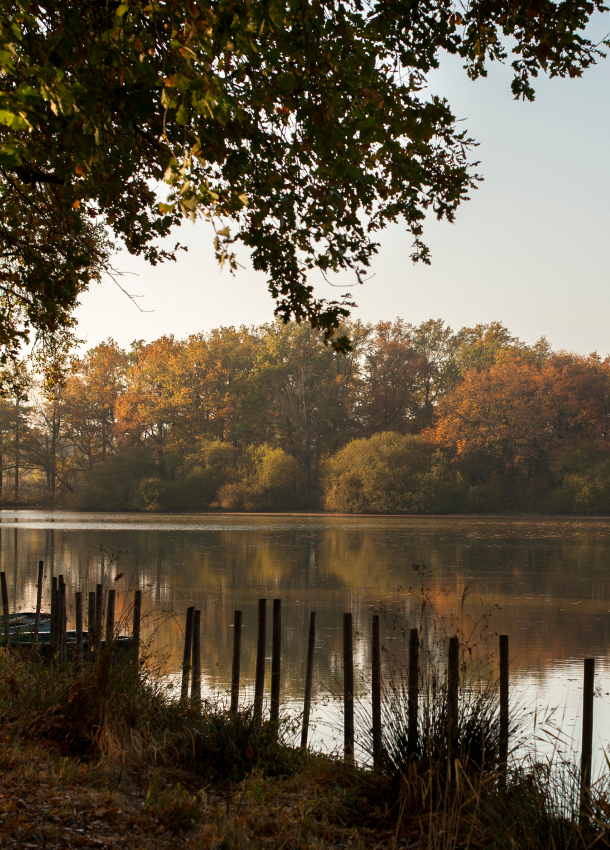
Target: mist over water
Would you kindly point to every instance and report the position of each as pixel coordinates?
(544, 582)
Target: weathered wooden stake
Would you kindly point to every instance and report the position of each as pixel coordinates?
(504, 706)
(7, 631)
(587, 733)
(413, 695)
(261, 640)
(376, 691)
(38, 600)
(188, 648)
(91, 625)
(453, 683)
(348, 688)
(276, 661)
(54, 638)
(78, 612)
(99, 610)
(236, 662)
(196, 682)
(137, 616)
(61, 620)
(110, 609)
(311, 645)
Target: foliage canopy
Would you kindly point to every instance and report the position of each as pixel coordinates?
(304, 124)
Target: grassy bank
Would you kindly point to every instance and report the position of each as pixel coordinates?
(111, 758)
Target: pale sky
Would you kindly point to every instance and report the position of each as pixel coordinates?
(529, 249)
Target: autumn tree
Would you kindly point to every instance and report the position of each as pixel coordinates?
(16, 381)
(146, 411)
(306, 391)
(6, 430)
(510, 419)
(391, 369)
(92, 389)
(496, 420)
(577, 396)
(484, 345)
(211, 376)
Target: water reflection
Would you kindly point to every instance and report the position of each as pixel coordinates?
(545, 582)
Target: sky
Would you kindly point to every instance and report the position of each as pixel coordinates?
(530, 249)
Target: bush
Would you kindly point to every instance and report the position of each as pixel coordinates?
(138, 480)
(274, 482)
(194, 480)
(270, 480)
(115, 485)
(391, 473)
(584, 475)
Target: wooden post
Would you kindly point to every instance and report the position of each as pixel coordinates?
(311, 645)
(587, 733)
(413, 696)
(38, 600)
(504, 707)
(137, 616)
(61, 620)
(261, 640)
(99, 607)
(78, 600)
(52, 623)
(453, 683)
(188, 647)
(236, 662)
(91, 625)
(376, 691)
(7, 631)
(348, 688)
(54, 637)
(196, 682)
(276, 661)
(110, 609)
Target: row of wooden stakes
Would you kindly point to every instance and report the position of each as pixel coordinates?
(192, 662)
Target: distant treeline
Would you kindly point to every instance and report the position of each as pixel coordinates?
(417, 419)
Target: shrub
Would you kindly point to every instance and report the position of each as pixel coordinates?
(195, 479)
(231, 497)
(274, 482)
(391, 473)
(115, 485)
(270, 480)
(583, 475)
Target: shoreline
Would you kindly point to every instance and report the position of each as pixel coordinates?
(219, 513)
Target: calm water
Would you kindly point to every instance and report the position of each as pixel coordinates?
(545, 582)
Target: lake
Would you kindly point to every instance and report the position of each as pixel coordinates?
(543, 581)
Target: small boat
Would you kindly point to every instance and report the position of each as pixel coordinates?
(21, 633)
(25, 621)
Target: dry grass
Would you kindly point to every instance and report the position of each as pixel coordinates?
(111, 759)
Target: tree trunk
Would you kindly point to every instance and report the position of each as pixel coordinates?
(307, 465)
(17, 458)
(53, 458)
